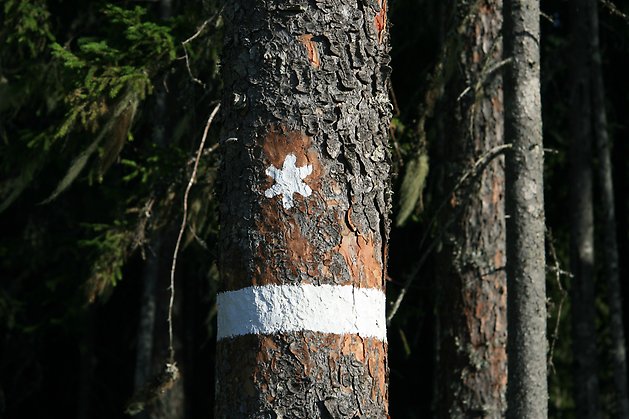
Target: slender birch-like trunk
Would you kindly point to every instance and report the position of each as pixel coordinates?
(527, 391)
(304, 210)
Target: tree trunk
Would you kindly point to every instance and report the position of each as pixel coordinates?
(472, 361)
(87, 363)
(304, 205)
(146, 324)
(172, 403)
(152, 349)
(582, 220)
(152, 328)
(608, 223)
(527, 393)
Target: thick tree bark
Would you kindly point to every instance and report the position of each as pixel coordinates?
(527, 392)
(304, 210)
(472, 366)
(582, 220)
(608, 222)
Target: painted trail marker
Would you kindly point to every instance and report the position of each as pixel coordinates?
(338, 309)
(288, 180)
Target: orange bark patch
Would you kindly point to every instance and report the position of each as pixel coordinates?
(353, 345)
(496, 103)
(361, 255)
(499, 259)
(311, 50)
(284, 250)
(380, 20)
(496, 189)
(299, 249)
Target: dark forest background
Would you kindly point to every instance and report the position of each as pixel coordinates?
(102, 109)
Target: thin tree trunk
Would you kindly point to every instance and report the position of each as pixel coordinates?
(527, 392)
(305, 198)
(472, 367)
(172, 404)
(582, 220)
(609, 245)
(87, 363)
(152, 330)
(146, 326)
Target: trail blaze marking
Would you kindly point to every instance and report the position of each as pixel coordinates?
(288, 180)
(268, 309)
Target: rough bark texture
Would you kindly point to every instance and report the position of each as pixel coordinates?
(608, 222)
(582, 220)
(527, 393)
(307, 78)
(472, 364)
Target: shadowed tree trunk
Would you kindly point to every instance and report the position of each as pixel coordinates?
(527, 392)
(608, 222)
(87, 363)
(304, 204)
(582, 219)
(146, 326)
(472, 362)
(152, 328)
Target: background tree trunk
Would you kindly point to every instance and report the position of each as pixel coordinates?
(472, 366)
(146, 326)
(608, 222)
(582, 220)
(305, 198)
(527, 393)
(152, 328)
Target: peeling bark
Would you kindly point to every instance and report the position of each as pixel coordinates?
(527, 392)
(304, 78)
(472, 364)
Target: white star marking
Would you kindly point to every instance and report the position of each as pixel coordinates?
(288, 180)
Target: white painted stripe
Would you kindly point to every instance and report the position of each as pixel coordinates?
(289, 308)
